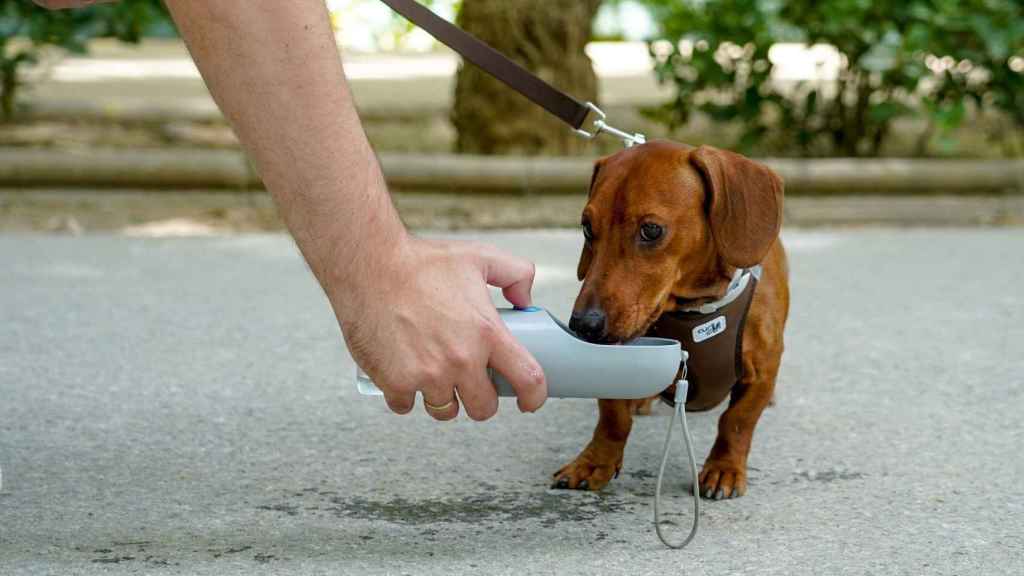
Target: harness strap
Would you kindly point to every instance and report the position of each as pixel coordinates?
(565, 107)
(713, 336)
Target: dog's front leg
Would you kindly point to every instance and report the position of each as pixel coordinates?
(601, 460)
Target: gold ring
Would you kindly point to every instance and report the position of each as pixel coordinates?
(440, 408)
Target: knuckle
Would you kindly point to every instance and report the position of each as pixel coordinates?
(460, 359)
(489, 330)
(429, 375)
(393, 385)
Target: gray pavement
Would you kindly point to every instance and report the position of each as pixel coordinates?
(186, 406)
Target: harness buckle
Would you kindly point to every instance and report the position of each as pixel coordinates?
(628, 140)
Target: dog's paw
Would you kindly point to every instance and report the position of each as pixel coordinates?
(722, 479)
(587, 472)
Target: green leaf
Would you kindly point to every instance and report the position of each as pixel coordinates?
(885, 43)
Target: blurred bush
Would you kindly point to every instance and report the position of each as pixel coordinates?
(26, 29)
(931, 60)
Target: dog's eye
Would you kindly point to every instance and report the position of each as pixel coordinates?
(650, 232)
(588, 232)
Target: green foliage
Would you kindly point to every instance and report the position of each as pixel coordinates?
(392, 35)
(25, 29)
(927, 59)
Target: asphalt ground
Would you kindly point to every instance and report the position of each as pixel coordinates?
(186, 405)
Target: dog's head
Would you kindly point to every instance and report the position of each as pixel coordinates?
(667, 224)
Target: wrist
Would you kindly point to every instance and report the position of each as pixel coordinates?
(372, 262)
(365, 268)
(346, 227)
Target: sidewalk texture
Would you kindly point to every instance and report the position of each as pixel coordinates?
(187, 406)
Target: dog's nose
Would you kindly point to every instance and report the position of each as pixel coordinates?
(590, 325)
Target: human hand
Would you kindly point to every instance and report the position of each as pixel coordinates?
(424, 321)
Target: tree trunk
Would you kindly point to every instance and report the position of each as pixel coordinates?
(548, 39)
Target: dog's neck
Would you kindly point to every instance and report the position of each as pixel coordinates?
(697, 289)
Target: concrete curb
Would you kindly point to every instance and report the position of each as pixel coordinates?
(899, 175)
(78, 211)
(229, 169)
(195, 109)
(178, 168)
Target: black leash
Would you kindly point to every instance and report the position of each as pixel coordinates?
(561, 105)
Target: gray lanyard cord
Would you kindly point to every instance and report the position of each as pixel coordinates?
(679, 412)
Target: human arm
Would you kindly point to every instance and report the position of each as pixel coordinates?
(415, 313)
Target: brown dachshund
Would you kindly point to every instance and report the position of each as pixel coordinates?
(666, 226)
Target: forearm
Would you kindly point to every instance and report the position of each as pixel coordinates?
(275, 72)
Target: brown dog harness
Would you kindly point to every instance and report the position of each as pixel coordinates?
(712, 335)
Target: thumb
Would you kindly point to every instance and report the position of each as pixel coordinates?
(513, 274)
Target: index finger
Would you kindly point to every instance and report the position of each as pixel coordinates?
(513, 274)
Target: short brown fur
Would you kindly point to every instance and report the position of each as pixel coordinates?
(720, 211)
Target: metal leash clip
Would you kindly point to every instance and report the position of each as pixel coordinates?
(629, 140)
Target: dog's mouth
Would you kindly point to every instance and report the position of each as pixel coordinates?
(609, 340)
(637, 333)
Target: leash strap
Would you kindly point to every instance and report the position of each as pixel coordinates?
(565, 107)
(679, 411)
(561, 105)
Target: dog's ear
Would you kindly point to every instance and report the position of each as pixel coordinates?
(588, 254)
(744, 204)
(593, 175)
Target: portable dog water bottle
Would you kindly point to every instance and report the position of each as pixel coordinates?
(575, 368)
